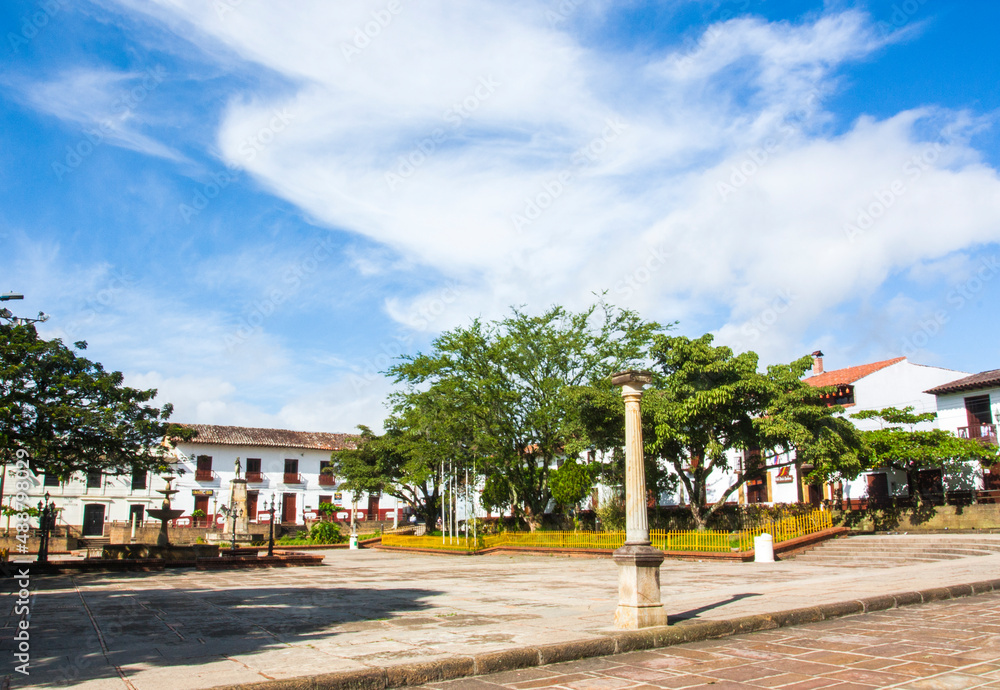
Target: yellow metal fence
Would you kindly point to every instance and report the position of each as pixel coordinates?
(781, 530)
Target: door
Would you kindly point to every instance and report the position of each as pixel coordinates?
(136, 512)
(878, 488)
(93, 520)
(815, 495)
(201, 503)
(373, 506)
(288, 507)
(252, 505)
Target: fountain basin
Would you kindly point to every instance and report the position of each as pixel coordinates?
(121, 552)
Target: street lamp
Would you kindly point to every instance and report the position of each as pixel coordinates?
(45, 511)
(270, 537)
(7, 296)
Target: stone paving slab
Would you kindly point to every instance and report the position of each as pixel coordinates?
(386, 613)
(943, 645)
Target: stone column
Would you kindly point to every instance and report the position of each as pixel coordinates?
(638, 562)
(238, 501)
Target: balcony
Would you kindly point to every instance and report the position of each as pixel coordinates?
(293, 478)
(327, 480)
(256, 478)
(986, 433)
(205, 476)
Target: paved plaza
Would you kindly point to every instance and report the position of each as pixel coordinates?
(371, 610)
(942, 645)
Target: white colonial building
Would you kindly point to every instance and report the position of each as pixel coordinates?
(893, 382)
(279, 464)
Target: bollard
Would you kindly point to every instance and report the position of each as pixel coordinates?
(763, 548)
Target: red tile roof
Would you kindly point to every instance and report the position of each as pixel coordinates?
(276, 438)
(984, 379)
(842, 377)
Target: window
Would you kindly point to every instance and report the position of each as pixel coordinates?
(325, 499)
(326, 477)
(203, 473)
(50, 480)
(94, 479)
(138, 480)
(292, 472)
(977, 410)
(253, 470)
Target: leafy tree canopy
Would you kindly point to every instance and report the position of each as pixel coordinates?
(515, 381)
(708, 401)
(898, 444)
(71, 414)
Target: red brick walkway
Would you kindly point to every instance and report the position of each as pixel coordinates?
(949, 645)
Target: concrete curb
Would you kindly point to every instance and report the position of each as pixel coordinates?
(403, 675)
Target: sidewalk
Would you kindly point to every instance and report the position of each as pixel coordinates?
(371, 618)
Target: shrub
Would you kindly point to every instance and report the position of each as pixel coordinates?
(325, 533)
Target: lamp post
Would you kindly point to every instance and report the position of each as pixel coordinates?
(45, 523)
(234, 513)
(270, 536)
(638, 561)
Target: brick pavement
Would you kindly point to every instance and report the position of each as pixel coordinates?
(943, 645)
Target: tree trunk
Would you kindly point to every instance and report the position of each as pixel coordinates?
(533, 519)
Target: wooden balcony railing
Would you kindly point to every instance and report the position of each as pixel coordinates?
(205, 476)
(327, 480)
(987, 433)
(255, 478)
(293, 478)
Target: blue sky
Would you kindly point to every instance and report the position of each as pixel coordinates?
(254, 207)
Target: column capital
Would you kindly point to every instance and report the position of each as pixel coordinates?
(631, 381)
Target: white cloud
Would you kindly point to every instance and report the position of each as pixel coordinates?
(106, 104)
(523, 167)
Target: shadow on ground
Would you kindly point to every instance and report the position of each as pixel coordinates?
(693, 613)
(83, 626)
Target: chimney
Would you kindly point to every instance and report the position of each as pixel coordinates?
(817, 362)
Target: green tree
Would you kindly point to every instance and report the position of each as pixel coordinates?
(708, 402)
(406, 461)
(899, 445)
(515, 380)
(71, 414)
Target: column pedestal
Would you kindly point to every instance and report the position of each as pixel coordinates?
(639, 587)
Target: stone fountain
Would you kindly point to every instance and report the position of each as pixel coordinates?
(163, 548)
(165, 513)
